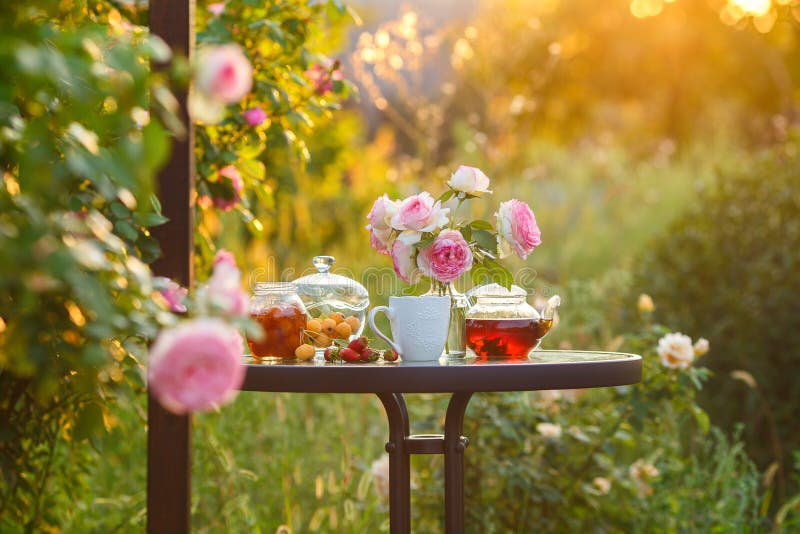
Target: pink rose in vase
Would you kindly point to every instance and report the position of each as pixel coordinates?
(403, 262)
(417, 214)
(517, 230)
(447, 258)
(379, 229)
(196, 365)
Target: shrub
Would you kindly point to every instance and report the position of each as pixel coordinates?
(729, 269)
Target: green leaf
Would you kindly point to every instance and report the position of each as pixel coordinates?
(253, 169)
(485, 239)
(120, 211)
(444, 197)
(481, 225)
(155, 203)
(89, 423)
(156, 145)
(489, 271)
(149, 219)
(422, 243)
(702, 419)
(126, 230)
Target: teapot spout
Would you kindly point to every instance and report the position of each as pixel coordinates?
(550, 308)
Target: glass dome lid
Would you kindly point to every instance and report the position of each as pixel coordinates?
(325, 292)
(495, 290)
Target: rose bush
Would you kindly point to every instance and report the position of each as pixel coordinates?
(263, 84)
(78, 151)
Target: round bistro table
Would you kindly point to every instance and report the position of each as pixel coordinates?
(546, 369)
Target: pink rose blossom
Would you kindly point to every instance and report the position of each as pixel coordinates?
(379, 216)
(237, 185)
(196, 365)
(517, 229)
(419, 213)
(224, 73)
(224, 256)
(447, 258)
(255, 116)
(173, 293)
(469, 180)
(224, 291)
(403, 262)
(217, 8)
(322, 77)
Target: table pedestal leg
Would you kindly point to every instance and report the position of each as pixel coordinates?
(454, 446)
(401, 445)
(399, 463)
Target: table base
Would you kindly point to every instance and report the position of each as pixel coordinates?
(402, 444)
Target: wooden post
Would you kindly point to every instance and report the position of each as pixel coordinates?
(169, 436)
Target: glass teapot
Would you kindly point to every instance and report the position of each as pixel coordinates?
(501, 325)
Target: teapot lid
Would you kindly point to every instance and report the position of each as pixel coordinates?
(325, 285)
(496, 290)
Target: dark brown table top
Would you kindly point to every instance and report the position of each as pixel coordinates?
(547, 369)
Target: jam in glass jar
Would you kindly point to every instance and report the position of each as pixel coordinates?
(280, 313)
(501, 325)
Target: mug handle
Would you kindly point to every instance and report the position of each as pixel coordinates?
(371, 317)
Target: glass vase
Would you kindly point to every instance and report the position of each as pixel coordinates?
(456, 344)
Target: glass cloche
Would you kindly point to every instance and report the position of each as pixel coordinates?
(332, 296)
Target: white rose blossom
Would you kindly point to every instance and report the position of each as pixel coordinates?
(602, 484)
(701, 347)
(549, 430)
(469, 181)
(676, 350)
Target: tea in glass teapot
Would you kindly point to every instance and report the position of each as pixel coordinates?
(501, 325)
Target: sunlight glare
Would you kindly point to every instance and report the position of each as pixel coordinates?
(751, 7)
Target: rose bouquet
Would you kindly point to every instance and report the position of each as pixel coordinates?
(426, 239)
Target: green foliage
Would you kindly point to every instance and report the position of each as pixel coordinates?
(729, 270)
(594, 477)
(78, 152)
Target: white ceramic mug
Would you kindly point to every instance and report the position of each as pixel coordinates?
(419, 326)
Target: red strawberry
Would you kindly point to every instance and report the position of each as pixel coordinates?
(390, 355)
(359, 345)
(332, 354)
(349, 355)
(369, 355)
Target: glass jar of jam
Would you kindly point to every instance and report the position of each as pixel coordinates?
(501, 325)
(280, 313)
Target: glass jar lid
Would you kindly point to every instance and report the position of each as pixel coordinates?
(263, 288)
(324, 288)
